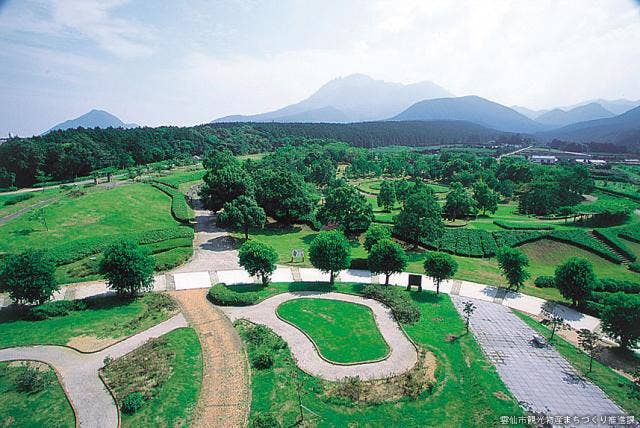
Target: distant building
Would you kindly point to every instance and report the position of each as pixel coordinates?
(596, 162)
(544, 160)
(632, 161)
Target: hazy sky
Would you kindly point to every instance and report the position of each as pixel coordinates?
(189, 61)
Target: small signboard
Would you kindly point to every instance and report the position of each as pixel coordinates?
(297, 254)
(415, 280)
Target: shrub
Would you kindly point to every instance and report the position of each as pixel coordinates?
(18, 198)
(613, 286)
(132, 403)
(515, 226)
(31, 380)
(179, 206)
(545, 281)
(265, 420)
(404, 310)
(635, 267)
(262, 360)
(55, 309)
(221, 294)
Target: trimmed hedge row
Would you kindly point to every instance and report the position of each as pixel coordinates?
(81, 248)
(403, 308)
(179, 207)
(515, 226)
(611, 237)
(614, 286)
(220, 294)
(634, 197)
(631, 233)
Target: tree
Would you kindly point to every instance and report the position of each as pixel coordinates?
(505, 187)
(486, 199)
(224, 185)
(258, 258)
(241, 214)
(215, 160)
(575, 279)
(555, 321)
(402, 189)
(7, 178)
(284, 195)
(387, 196)
(28, 277)
(468, 310)
(387, 257)
(440, 267)
(459, 203)
(330, 252)
(375, 234)
(128, 268)
(347, 207)
(588, 340)
(621, 318)
(513, 263)
(420, 219)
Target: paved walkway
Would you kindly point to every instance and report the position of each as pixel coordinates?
(540, 378)
(403, 355)
(225, 395)
(92, 402)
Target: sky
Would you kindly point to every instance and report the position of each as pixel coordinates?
(185, 62)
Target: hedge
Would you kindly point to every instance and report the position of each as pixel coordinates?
(610, 236)
(179, 207)
(631, 233)
(634, 197)
(81, 248)
(403, 308)
(614, 286)
(634, 267)
(18, 198)
(221, 294)
(516, 226)
(582, 239)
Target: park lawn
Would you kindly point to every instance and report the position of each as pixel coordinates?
(48, 407)
(176, 179)
(173, 401)
(343, 332)
(37, 196)
(468, 391)
(616, 386)
(105, 318)
(100, 212)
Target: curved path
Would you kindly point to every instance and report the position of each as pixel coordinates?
(78, 372)
(403, 355)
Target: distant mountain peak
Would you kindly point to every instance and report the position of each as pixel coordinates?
(560, 117)
(95, 118)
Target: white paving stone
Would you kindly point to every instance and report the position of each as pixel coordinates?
(313, 275)
(475, 291)
(282, 274)
(235, 276)
(192, 280)
(356, 275)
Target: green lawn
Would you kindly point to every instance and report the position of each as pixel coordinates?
(7, 208)
(184, 178)
(105, 318)
(468, 392)
(175, 360)
(343, 332)
(617, 387)
(48, 407)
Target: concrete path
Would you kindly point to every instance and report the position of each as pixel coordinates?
(225, 394)
(403, 355)
(78, 372)
(540, 378)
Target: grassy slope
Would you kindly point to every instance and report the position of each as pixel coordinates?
(466, 394)
(38, 196)
(343, 332)
(48, 408)
(109, 318)
(175, 403)
(614, 385)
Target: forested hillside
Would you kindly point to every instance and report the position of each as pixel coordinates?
(63, 155)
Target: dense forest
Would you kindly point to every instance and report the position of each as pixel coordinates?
(65, 155)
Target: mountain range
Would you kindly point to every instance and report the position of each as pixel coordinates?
(93, 119)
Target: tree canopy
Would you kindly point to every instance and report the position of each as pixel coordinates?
(513, 264)
(420, 219)
(440, 267)
(258, 258)
(242, 213)
(575, 279)
(387, 257)
(330, 252)
(28, 277)
(128, 268)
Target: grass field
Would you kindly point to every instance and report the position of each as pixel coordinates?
(108, 318)
(468, 391)
(616, 386)
(48, 407)
(343, 332)
(7, 206)
(168, 371)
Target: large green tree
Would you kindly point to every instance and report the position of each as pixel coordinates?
(459, 203)
(387, 196)
(258, 258)
(28, 277)
(513, 264)
(486, 199)
(345, 206)
(575, 279)
(224, 185)
(128, 268)
(440, 267)
(330, 252)
(375, 234)
(387, 257)
(284, 195)
(621, 318)
(241, 214)
(420, 219)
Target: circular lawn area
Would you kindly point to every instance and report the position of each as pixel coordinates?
(343, 332)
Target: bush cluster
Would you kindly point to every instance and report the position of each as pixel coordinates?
(18, 198)
(403, 308)
(132, 403)
(58, 308)
(545, 281)
(31, 380)
(614, 286)
(221, 294)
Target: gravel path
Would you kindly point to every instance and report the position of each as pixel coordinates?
(225, 394)
(78, 372)
(403, 355)
(540, 378)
